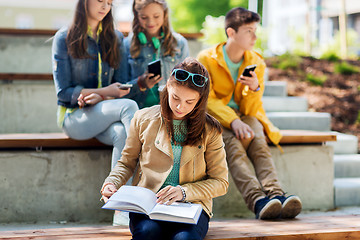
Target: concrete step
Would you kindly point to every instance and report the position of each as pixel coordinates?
(275, 88)
(347, 166)
(301, 120)
(285, 104)
(347, 192)
(345, 144)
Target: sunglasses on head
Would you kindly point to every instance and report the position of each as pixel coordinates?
(183, 75)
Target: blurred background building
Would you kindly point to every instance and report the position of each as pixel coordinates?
(303, 26)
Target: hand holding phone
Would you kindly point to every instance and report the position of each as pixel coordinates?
(246, 72)
(155, 67)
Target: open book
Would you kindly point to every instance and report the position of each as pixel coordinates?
(143, 200)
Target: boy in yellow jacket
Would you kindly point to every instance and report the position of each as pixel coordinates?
(235, 101)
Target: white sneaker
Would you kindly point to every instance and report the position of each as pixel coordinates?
(121, 218)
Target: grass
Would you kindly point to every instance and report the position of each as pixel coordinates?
(287, 61)
(316, 80)
(346, 68)
(330, 56)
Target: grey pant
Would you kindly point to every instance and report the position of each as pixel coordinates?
(108, 121)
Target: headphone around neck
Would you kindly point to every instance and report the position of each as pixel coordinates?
(156, 42)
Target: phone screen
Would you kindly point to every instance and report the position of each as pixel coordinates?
(247, 70)
(155, 67)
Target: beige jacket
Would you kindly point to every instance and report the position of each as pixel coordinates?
(203, 168)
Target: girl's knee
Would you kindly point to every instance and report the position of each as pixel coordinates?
(131, 105)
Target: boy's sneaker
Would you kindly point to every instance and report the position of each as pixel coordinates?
(291, 206)
(266, 208)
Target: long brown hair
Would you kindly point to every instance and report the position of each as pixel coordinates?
(76, 39)
(198, 117)
(169, 43)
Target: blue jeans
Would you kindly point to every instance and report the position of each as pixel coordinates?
(108, 121)
(143, 228)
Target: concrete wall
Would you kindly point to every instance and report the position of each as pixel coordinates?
(64, 185)
(27, 54)
(28, 107)
(53, 186)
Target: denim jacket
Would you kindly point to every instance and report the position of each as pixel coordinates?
(138, 65)
(71, 75)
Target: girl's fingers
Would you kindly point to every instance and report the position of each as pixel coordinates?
(167, 195)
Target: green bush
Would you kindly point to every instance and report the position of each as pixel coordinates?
(358, 118)
(287, 61)
(346, 68)
(330, 56)
(316, 80)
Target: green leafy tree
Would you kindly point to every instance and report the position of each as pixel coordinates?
(189, 15)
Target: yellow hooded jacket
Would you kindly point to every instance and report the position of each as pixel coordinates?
(222, 87)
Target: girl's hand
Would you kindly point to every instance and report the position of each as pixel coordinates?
(113, 90)
(149, 80)
(81, 101)
(90, 99)
(108, 191)
(252, 81)
(169, 195)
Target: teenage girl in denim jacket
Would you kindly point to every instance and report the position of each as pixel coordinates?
(152, 39)
(88, 66)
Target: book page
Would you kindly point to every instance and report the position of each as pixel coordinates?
(177, 212)
(133, 199)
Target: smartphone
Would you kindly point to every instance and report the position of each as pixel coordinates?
(155, 67)
(125, 86)
(247, 70)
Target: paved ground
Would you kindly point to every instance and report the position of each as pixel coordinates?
(46, 225)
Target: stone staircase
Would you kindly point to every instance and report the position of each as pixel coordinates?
(291, 113)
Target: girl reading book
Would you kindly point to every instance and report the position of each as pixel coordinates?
(176, 150)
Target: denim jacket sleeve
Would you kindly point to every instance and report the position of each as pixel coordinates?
(66, 92)
(135, 90)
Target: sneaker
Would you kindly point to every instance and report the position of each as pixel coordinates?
(291, 206)
(266, 208)
(121, 218)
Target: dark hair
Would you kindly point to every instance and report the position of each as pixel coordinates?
(237, 17)
(198, 117)
(76, 39)
(169, 43)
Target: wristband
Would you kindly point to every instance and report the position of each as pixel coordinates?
(257, 89)
(142, 89)
(183, 193)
